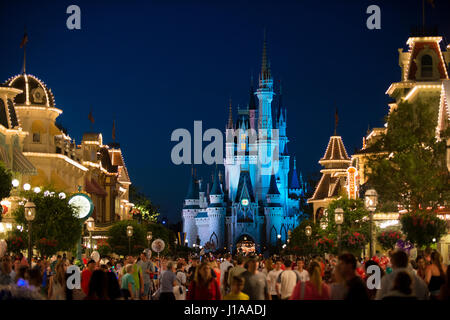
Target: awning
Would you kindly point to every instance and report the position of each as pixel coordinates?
(94, 188)
(22, 164)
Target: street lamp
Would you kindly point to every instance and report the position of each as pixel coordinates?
(30, 214)
(129, 235)
(371, 201)
(149, 238)
(90, 226)
(308, 231)
(323, 223)
(339, 219)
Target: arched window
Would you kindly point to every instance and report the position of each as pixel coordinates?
(3, 117)
(427, 66)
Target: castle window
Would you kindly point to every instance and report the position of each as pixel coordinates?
(427, 66)
(242, 146)
(36, 137)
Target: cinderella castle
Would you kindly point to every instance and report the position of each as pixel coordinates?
(258, 199)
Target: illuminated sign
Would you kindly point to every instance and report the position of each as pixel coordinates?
(352, 186)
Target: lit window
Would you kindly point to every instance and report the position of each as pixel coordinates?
(242, 146)
(427, 66)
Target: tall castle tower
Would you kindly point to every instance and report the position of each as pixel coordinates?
(255, 204)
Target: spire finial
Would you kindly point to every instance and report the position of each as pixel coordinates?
(230, 116)
(265, 64)
(336, 121)
(295, 163)
(23, 45)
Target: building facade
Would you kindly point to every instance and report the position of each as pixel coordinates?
(256, 200)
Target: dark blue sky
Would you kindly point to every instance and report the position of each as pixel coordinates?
(158, 66)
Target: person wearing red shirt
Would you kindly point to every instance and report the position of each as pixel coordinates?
(313, 289)
(204, 286)
(86, 276)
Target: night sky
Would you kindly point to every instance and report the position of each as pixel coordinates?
(158, 66)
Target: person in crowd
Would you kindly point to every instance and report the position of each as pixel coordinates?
(86, 276)
(371, 292)
(112, 285)
(57, 283)
(180, 288)
(191, 270)
(338, 287)
(356, 289)
(5, 271)
(98, 286)
(435, 275)
(399, 262)
(402, 288)
(168, 281)
(286, 281)
(301, 272)
(203, 286)
(268, 266)
(312, 289)
(225, 288)
(128, 286)
(21, 276)
(138, 277)
(255, 285)
(421, 266)
(216, 269)
(272, 278)
(35, 279)
(147, 268)
(237, 284)
(445, 288)
(237, 270)
(224, 266)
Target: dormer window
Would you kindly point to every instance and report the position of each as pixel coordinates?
(427, 66)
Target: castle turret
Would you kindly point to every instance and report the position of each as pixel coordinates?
(216, 213)
(190, 210)
(273, 212)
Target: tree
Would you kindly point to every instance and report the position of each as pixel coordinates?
(300, 243)
(423, 228)
(143, 209)
(355, 217)
(118, 239)
(55, 219)
(408, 157)
(5, 184)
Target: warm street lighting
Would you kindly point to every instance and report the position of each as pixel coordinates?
(308, 231)
(323, 223)
(37, 190)
(30, 214)
(15, 183)
(371, 201)
(279, 236)
(339, 219)
(90, 226)
(129, 235)
(149, 238)
(26, 187)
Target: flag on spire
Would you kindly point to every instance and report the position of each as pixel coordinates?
(24, 40)
(114, 131)
(90, 117)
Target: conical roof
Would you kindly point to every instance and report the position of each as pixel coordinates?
(216, 188)
(273, 188)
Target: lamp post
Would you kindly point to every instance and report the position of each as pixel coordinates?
(30, 214)
(371, 201)
(90, 226)
(339, 219)
(279, 242)
(129, 235)
(308, 232)
(323, 223)
(149, 238)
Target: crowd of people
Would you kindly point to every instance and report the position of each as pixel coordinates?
(227, 277)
